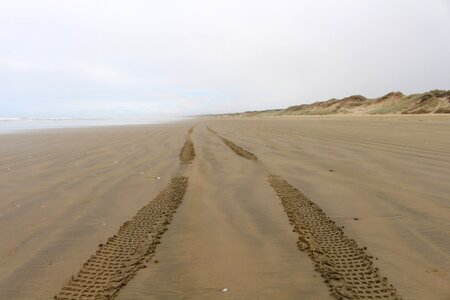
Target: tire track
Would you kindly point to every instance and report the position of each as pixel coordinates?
(346, 268)
(117, 262)
(235, 148)
(187, 153)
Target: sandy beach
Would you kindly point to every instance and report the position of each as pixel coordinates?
(208, 209)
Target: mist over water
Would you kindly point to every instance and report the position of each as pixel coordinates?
(14, 125)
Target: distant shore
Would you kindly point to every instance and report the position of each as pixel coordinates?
(13, 125)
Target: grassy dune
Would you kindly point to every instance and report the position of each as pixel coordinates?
(435, 101)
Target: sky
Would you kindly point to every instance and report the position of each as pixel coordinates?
(184, 57)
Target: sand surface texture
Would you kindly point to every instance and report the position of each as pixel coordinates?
(264, 208)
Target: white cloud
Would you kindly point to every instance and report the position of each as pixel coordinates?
(213, 56)
(11, 64)
(98, 73)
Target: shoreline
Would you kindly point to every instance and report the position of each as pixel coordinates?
(219, 117)
(32, 125)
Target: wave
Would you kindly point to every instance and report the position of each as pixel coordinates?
(14, 124)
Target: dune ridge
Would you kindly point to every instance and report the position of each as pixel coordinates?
(432, 102)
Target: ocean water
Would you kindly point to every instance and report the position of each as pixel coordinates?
(14, 125)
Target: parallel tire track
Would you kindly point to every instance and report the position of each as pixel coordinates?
(346, 268)
(116, 262)
(187, 153)
(239, 150)
(235, 148)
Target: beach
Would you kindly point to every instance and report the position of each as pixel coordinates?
(220, 225)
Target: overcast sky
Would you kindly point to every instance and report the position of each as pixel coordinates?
(100, 58)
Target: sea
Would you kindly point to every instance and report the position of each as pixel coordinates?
(15, 125)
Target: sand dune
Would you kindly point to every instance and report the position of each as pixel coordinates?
(432, 102)
(382, 180)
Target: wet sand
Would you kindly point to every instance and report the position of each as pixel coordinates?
(385, 179)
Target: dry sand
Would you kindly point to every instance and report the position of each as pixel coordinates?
(385, 179)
